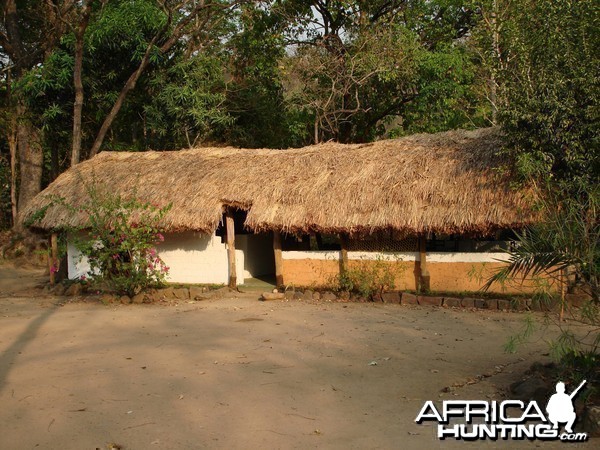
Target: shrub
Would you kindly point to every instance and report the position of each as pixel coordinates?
(567, 242)
(119, 239)
(368, 278)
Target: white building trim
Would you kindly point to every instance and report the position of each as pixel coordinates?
(433, 257)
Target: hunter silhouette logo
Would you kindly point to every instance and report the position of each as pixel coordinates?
(509, 419)
(560, 407)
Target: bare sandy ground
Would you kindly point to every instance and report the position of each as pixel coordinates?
(238, 373)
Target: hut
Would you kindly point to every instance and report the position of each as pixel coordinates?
(432, 205)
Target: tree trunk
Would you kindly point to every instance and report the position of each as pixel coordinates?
(29, 146)
(78, 104)
(54, 163)
(78, 83)
(12, 145)
(129, 85)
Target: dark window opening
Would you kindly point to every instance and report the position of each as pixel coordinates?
(239, 220)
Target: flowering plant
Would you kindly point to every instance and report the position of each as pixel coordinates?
(119, 240)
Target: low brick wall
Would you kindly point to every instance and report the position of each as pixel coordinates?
(408, 298)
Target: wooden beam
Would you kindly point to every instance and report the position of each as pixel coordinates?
(425, 278)
(53, 258)
(343, 252)
(230, 227)
(278, 259)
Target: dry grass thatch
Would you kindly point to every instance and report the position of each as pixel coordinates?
(442, 182)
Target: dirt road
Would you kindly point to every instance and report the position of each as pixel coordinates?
(239, 373)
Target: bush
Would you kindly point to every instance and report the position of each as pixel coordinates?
(566, 242)
(367, 279)
(119, 240)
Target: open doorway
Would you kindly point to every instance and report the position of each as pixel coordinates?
(254, 252)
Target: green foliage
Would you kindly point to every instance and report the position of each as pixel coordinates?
(119, 240)
(529, 328)
(566, 242)
(578, 366)
(47, 90)
(367, 278)
(255, 96)
(446, 95)
(126, 25)
(550, 83)
(187, 102)
(369, 69)
(542, 57)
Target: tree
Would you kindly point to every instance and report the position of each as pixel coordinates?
(187, 103)
(43, 40)
(549, 84)
(189, 21)
(546, 75)
(565, 249)
(29, 31)
(255, 93)
(79, 33)
(360, 66)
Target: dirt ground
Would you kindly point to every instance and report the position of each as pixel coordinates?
(240, 373)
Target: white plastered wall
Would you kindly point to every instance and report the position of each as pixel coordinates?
(199, 258)
(191, 258)
(446, 257)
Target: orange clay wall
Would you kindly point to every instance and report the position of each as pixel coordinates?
(322, 273)
(461, 276)
(444, 276)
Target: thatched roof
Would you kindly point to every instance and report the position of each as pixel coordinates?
(442, 182)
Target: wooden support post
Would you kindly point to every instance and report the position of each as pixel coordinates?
(278, 259)
(230, 227)
(319, 239)
(425, 279)
(343, 252)
(53, 258)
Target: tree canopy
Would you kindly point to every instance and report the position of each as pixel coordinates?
(79, 77)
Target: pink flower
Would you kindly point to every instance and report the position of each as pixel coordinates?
(160, 237)
(53, 269)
